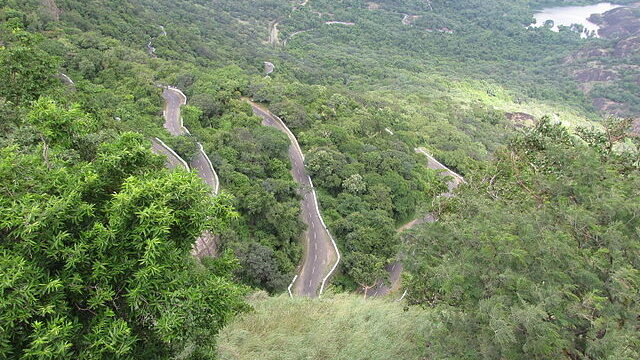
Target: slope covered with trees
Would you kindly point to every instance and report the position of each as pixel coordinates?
(534, 259)
(96, 234)
(539, 257)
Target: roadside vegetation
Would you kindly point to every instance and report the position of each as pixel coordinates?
(337, 326)
(552, 225)
(536, 258)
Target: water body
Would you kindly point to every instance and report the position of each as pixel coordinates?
(569, 15)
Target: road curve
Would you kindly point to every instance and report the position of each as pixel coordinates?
(172, 160)
(173, 100)
(201, 164)
(206, 244)
(395, 268)
(321, 254)
(434, 164)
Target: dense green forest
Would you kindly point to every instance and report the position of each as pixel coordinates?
(553, 224)
(534, 259)
(96, 233)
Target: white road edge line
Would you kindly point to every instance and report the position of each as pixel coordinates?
(184, 163)
(67, 78)
(183, 102)
(452, 173)
(335, 246)
(294, 141)
(455, 175)
(215, 174)
(290, 285)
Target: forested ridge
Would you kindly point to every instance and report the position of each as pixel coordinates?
(537, 257)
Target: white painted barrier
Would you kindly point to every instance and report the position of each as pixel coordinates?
(67, 78)
(216, 189)
(455, 175)
(294, 141)
(335, 246)
(184, 163)
(182, 102)
(291, 285)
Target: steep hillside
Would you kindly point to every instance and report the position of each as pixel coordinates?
(95, 234)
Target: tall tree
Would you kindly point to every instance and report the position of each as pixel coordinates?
(27, 71)
(95, 254)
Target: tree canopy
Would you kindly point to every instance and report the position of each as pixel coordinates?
(539, 257)
(95, 254)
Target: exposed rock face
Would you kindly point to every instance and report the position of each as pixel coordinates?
(609, 106)
(622, 27)
(521, 119)
(627, 47)
(618, 23)
(589, 53)
(588, 75)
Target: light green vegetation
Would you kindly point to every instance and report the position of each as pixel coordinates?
(538, 258)
(95, 233)
(335, 327)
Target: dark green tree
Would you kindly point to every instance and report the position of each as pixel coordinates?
(27, 70)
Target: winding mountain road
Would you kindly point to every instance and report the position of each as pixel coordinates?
(395, 269)
(150, 49)
(173, 100)
(273, 32)
(321, 253)
(206, 244)
(408, 19)
(432, 163)
(201, 164)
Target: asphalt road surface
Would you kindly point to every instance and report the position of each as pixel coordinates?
(395, 269)
(174, 99)
(203, 167)
(320, 254)
(206, 244)
(172, 160)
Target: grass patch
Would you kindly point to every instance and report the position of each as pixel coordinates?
(335, 327)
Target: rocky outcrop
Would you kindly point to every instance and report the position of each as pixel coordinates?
(596, 74)
(587, 54)
(609, 106)
(591, 67)
(617, 23)
(520, 119)
(627, 47)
